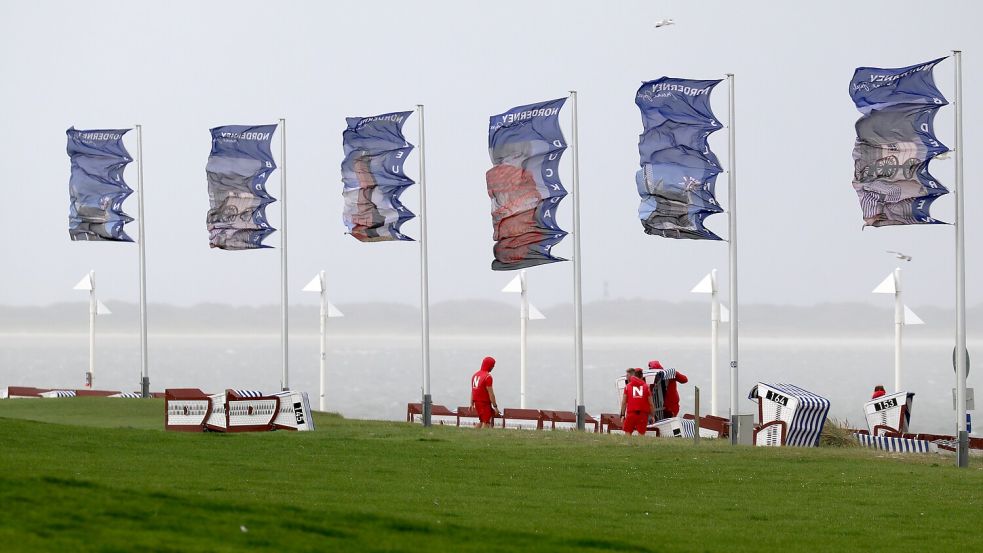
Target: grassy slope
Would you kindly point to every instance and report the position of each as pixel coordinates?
(114, 481)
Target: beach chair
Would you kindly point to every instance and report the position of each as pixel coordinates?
(185, 409)
(568, 420)
(468, 417)
(788, 415)
(528, 419)
(711, 426)
(889, 414)
(438, 414)
(675, 427)
(294, 412)
(250, 410)
(611, 423)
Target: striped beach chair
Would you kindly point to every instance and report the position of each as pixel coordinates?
(128, 395)
(675, 427)
(58, 393)
(250, 410)
(896, 444)
(789, 415)
(186, 409)
(294, 412)
(889, 414)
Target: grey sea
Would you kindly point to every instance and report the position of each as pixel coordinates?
(374, 377)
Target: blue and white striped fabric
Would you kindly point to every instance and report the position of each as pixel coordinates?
(899, 445)
(247, 393)
(807, 420)
(128, 395)
(59, 393)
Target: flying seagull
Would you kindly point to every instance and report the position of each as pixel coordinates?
(664, 22)
(900, 255)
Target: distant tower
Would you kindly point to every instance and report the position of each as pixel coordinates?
(606, 294)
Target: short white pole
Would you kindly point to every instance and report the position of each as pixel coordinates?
(324, 339)
(142, 253)
(898, 328)
(424, 277)
(93, 309)
(577, 296)
(284, 336)
(523, 338)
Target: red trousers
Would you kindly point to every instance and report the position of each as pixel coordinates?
(636, 420)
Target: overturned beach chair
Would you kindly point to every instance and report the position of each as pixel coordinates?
(788, 415)
(468, 417)
(525, 419)
(712, 426)
(567, 420)
(57, 393)
(675, 427)
(250, 410)
(438, 414)
(186, 409)
(611, 422)
(889, 414)
(294, 412)
(896, 444)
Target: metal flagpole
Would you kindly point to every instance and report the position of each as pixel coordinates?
(962, 456)
(424, 278)
(324, 338)
(578, 350)
(898, 328)
(142, 249)
(714, 340)
(93, 309)
(732, 239)
(523, 340)
(284, 381)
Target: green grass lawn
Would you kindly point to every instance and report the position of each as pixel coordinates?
(101, 474)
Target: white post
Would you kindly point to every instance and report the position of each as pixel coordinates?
(424, 278)
(284, 379)
(732, 269)
(324, 339)
(962, 456)
(898, 328)
(578, 351)
(523, 338)
(93, 309)
(714, 340)
(142, 253)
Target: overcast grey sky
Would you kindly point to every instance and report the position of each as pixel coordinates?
(181, 67)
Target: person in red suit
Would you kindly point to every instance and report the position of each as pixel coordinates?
(482, 393)
(637, 406)
(671, 376)
(878, 392)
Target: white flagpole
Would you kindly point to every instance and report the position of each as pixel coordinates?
(93, 309)
(142, 249)
(324, 339)
(424, 278)
(578, 351)
(284, 381)
(898, 328)
(523, 338)
(732, 269)
(962, 456)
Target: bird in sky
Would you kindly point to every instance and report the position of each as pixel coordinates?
(664, 22)
(900, 255)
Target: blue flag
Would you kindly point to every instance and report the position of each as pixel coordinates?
(373, 177)
(895, 142)
(679, 172)
(96, 188)
(525, 145)
(238, 167)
